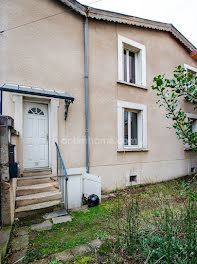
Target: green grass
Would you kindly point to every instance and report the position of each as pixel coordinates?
(102, 221)
(163, 229)
(84, 227)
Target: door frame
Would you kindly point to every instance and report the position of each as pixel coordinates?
(53, 112)
(49, 131)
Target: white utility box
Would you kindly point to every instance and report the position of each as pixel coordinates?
(79, 183)
(74, 191)
(91, 185)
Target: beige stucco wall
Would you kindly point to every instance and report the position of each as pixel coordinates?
(166, 157)
(44, 48)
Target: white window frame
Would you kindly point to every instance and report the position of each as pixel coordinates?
(191, 68)
(194, 117)
(195, 126)
(142, 126)
(140, 60)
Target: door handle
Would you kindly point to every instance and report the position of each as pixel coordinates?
(47, 136)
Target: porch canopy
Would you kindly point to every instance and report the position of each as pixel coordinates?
(28, 90)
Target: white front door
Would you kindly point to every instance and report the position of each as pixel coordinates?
(36, 137)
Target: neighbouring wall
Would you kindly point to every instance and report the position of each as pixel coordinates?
(8, 193)
(8, 186)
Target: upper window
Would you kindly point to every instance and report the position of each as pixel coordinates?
(132, 126)
(193, 118)
(190, 68)
(194, 125)
(129, 66)
(131, 62)
(36, 111)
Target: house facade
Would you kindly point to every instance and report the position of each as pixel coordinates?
(128, 140)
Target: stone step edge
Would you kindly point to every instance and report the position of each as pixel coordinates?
(36, 177)
(37, 206)
(38, 170)
(35, 186)
(37, 195)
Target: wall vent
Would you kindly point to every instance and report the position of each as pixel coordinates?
(192, 169)
(133, 178)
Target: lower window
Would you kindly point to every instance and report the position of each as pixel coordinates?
(193, 118)
(132, 126)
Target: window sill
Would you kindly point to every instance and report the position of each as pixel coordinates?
(133, 85)
(132, 149)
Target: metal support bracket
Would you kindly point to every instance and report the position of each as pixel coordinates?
(67, 104)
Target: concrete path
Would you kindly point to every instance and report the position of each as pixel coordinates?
(55, 214)
(61, 219)
(46, 225)
(68, 254)
(19, 245)
(78, 250)
(4, 239)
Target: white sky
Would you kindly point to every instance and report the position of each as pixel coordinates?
(181, 13)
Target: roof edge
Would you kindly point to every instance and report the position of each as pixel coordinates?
(76, 6)
(111, 16)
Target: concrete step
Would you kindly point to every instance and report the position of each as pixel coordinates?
(33, 181)
(37, 188)
(37, 198)
(36, 172)
(35, 209)
(38, 177)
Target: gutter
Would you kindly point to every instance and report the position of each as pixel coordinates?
(86, 88)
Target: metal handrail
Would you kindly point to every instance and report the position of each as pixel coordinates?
(59, 154)
(62, 177)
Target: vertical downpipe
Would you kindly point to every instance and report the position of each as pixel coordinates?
(1, 102)
(86, 88)
(1, 224)
(1, 111)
